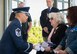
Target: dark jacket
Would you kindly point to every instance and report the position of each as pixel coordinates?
(12, 41)
(58, 34)
(44, 20)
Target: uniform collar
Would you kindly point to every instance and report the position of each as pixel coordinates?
(19, 22)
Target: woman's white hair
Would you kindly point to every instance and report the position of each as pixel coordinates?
(57, 15)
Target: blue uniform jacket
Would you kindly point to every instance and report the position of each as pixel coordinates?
(12, 42)
(70, 40)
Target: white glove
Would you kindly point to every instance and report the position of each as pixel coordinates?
(42, 49)
(37, 47)
(44, 44)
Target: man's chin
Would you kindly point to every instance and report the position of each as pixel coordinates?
(24, 22)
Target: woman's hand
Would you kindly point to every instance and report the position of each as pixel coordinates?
(48, 49)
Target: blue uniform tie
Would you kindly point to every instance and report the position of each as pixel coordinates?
(49, 10)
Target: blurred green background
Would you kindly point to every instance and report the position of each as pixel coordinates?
(35, 35)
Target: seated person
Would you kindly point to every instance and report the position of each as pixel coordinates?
(59, 27)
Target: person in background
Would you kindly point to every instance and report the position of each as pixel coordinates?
(21, 5)
(69, 42)
(58, 31)
(12, 16)
(25, 26)
(12, 41)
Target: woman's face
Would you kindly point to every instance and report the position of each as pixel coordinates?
(53, 22)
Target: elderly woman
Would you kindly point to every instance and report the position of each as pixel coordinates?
(59, 27)
(58, 31)
(70, 39)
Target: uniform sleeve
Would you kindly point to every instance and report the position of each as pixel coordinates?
(18, 41)
(29, 19)
(72, 48)
(59, 34)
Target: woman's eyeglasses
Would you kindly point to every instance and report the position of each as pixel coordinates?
(51, 18)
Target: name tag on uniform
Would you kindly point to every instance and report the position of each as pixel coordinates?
(18, 32)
